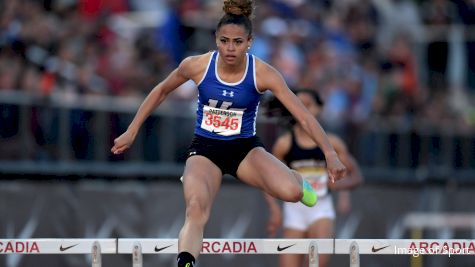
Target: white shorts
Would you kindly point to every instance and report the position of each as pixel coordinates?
(297, 216)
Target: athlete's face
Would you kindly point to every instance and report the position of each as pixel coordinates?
(310, 103)
(232, 41)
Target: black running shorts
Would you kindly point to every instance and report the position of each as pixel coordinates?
(226, 154)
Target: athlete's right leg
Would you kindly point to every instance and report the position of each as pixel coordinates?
(291, 260)
(201, 182)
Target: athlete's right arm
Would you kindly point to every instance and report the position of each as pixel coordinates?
(188, 69)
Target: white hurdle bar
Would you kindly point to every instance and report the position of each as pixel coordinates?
(312, 247)
(137, 247)
(229, 246)
(95, 247)
(301, 246)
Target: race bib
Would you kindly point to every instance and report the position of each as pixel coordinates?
(318, 179)
(225, 122)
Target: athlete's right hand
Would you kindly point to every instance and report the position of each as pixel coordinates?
(123, 142)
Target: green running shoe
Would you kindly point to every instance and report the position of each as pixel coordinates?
(309, 197)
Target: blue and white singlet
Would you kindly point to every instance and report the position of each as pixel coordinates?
(227, 110)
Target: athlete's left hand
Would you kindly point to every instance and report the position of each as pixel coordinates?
(336, 169)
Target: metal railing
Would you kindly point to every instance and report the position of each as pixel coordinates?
(65, 135)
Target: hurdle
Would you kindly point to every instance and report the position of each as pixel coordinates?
(312, 247)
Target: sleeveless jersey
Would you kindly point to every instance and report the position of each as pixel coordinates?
(310, 163)
(227, 110)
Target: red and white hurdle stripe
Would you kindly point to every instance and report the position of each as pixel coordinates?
(57, 246)
(312, 247)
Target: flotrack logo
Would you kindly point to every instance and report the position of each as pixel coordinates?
(235, 247)
(19, 247)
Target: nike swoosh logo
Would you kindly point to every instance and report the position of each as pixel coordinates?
(378, 249)
(61, 248)
(160, 249)
(284, 248)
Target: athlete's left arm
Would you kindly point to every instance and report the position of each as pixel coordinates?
(353, 176)
(269, 78)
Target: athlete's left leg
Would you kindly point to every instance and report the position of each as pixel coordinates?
(262, 170)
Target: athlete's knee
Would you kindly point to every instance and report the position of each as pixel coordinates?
(197, 211)
(292, 192)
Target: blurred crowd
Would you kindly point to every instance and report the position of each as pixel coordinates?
(390, 63)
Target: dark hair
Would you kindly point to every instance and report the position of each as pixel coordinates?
(275, 108)
(313, 93)
(237, 12)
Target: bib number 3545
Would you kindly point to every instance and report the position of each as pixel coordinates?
(224, 122)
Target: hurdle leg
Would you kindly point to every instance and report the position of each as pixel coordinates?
(137, 260)
(354, 255)
(313, 254)
(416, 261)
(96, 254)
